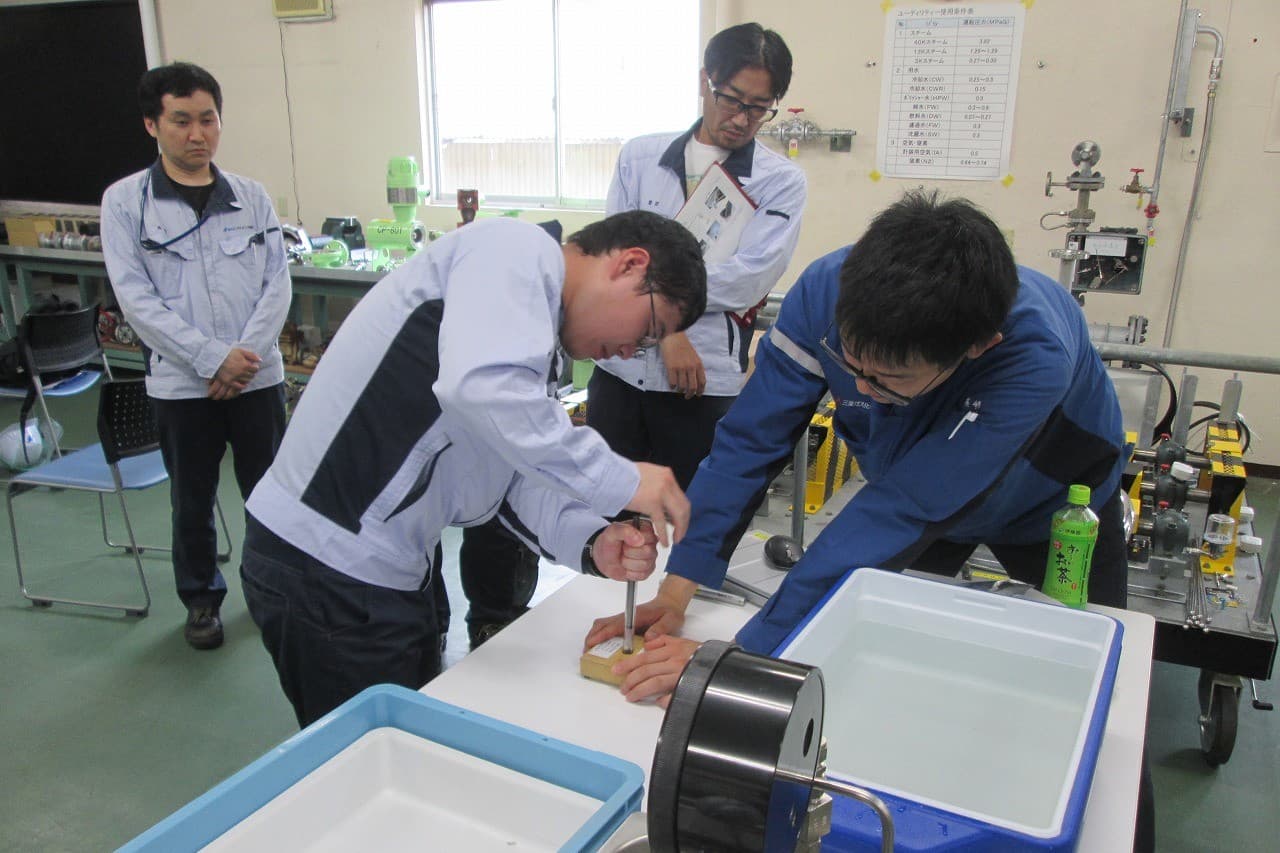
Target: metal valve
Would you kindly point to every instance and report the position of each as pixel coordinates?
(794, 130)
(1086, 155)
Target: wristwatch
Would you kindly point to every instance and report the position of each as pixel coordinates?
(588, 561)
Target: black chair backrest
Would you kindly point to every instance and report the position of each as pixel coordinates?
(126, 421)
(62, 341)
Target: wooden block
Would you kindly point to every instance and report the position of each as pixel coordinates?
(598, 661)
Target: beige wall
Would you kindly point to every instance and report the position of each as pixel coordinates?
(353, 94)
(1090, 70)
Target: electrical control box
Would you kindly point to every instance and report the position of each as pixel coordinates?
(1113, 260)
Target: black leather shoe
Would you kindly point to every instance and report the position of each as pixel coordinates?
(479, 633)
(204, 628)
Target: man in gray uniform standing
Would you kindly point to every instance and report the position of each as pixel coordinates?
(197, 263)
(663, 407)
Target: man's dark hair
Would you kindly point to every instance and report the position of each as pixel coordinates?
(928, 280)
(181, 79)
(676, 271)
(748, 46)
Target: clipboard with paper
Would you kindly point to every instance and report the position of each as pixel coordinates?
(716, 213)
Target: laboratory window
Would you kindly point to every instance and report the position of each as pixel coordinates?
(531, 100)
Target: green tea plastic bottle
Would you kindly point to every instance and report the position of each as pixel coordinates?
(1072, 535)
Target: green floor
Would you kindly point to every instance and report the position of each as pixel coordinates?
(111, 723)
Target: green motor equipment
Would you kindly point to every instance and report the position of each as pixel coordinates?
(331, 255)
(396, 240)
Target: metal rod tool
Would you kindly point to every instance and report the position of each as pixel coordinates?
(629, 621)
(629, 615)
(719, 595)
(753, 594)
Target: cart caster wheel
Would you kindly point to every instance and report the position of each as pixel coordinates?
(1219, 716)
(41, 603)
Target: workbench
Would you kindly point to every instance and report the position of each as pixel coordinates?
(528, 675)
(90, 271)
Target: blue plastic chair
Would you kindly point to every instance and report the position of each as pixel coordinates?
(127, 458)
(57, 342)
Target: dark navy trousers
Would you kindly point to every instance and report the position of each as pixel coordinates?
(499, 574)
(661, 427)
(194, 435)
(331, 635)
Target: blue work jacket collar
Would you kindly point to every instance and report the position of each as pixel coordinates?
(223, 197)
(737, 164)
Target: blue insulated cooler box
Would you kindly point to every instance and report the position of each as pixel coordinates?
(392, 769)
(976, 717)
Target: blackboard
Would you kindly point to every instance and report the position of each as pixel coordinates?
(69, 118)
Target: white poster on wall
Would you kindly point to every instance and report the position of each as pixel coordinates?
(947, 98)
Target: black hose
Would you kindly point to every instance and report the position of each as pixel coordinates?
(1244, 427)
(1166, 422)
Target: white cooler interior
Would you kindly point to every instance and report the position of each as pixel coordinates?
(392, 790)
(956, 698)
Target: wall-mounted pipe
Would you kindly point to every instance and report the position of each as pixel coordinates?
(1167, 117)
(1215, 74)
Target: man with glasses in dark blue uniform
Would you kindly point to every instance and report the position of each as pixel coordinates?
(196, 260)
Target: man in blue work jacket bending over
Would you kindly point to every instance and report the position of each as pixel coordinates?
(968, 391)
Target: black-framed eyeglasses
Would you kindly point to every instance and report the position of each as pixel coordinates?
(756, 114)
(651, 339)
(873, 383)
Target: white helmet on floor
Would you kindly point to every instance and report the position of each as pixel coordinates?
(21, 449)
(51, 431)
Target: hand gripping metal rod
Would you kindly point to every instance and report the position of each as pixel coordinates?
(641, 523)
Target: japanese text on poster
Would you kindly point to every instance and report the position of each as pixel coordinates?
(949, 88)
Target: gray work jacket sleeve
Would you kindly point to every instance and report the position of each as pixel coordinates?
(496, 347)
(262, 331)
(549, 521)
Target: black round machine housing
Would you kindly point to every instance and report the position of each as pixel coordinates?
(735, 719)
